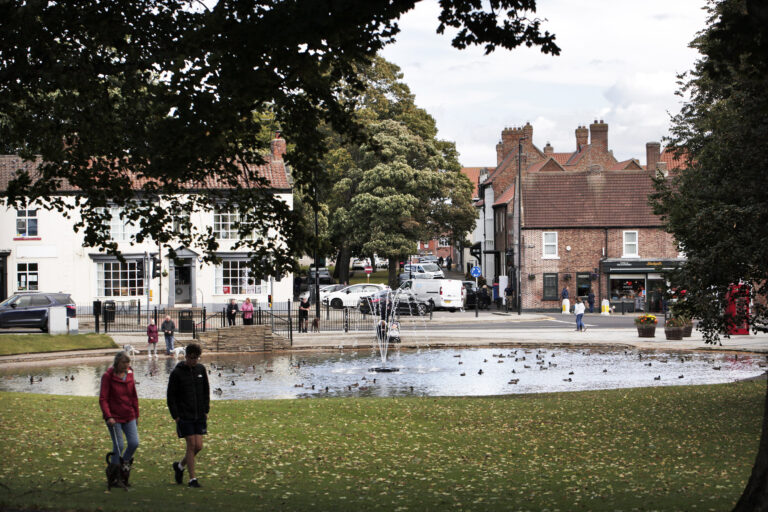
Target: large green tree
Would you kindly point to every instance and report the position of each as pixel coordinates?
(717, 207)
(107, 91)
(443, 203)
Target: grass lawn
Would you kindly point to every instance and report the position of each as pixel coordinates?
(675, 448)
(31, 343)
(378, 277)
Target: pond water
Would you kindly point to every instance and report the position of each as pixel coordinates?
(432, 372)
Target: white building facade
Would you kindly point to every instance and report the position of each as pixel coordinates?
(39, 250)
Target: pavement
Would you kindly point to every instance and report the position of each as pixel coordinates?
(464, 330)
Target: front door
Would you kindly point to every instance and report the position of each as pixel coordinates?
(183, 281)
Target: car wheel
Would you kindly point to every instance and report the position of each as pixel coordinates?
(422, 309)
(337, 304)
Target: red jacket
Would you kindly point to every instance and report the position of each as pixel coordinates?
(118, 398)
(151, 333)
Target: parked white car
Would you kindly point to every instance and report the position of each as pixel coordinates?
(351, 295)
(422, 271)
(439, 293)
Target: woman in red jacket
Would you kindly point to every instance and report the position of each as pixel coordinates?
(120, 408)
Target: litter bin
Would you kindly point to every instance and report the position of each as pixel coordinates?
(109, 311)
(186, 323)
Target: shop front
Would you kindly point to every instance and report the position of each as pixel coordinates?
(637, 285)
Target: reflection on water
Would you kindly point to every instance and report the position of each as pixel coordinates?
(434, 372)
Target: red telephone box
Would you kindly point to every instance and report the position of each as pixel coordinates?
(737, 307)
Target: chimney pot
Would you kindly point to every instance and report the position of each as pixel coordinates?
(652, 155)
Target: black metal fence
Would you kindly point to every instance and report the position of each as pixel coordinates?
(283, 318)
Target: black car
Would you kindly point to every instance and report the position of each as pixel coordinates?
(471, 297)
(384, 299)
(30, 309)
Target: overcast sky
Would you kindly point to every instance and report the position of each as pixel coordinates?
(619, 62)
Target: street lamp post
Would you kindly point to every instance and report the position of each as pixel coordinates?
(519, 226)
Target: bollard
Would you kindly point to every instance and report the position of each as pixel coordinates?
(566, 307)
(605, 307)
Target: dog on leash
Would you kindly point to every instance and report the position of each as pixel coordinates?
(315, 324)
(130, 350)
(179, 352)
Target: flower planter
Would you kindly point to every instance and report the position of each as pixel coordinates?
(687, 331)
(674, 333)
(646, 331)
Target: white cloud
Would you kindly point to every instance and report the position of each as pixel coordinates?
(619, 62)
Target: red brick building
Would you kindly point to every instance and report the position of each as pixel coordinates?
(586, 221)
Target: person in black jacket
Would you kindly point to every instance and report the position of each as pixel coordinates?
(232, 310)
(189, 402)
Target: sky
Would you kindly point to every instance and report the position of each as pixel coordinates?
(619, 62)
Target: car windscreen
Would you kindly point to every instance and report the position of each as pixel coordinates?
(430, 267)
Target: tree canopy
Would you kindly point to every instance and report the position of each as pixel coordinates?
(717, 207)
(167, 93)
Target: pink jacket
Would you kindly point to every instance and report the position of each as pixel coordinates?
(247, 309)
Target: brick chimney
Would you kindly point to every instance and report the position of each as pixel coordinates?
(652, 155)
(277, 147)
(499, 153)
(528, 132)
(548, 149)
(582, 137)
(598, 135)
(510, 138)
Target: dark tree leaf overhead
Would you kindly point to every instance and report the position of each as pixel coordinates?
(126, 102)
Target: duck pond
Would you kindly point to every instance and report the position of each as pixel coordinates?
(424, 372)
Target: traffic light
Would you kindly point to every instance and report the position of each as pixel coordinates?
(269, 300)
(155, 267)
(476, 250)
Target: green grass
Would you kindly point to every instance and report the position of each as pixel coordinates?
(379, 277)
(675, 448)
(33, 343)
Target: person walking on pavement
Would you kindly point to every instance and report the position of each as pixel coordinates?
(232, 310)
(120, 408)
(168, 328)
(188, 399)
(591, 300)
(303, 314)
(578, 310)
(564, 293)
(449, 263)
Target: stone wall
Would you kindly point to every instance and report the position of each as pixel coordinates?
(243, 338)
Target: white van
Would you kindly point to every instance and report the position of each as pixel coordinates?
(443, 293)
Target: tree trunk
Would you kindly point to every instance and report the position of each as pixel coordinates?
(755, 496)
(394, 268)
(342, 264)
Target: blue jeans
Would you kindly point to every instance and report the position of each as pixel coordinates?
(579, 323)
(168, 344)
(116, 432)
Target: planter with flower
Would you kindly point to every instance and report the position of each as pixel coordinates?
(674, 328)
(687, 326)
(646, 326)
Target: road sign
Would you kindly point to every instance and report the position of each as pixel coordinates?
(476, 272)
(368, 270)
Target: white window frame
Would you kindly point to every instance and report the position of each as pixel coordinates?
(117, 279)
(224, 221)
(545, 245)
(121, 229)
(627, 244)
(27, 273)
(23, 224)
(444, 241)
(234, 273)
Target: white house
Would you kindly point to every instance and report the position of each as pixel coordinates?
(39, 250)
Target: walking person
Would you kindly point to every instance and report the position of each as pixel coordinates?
(591, 300)
(168, 328)
(232, 310)
(120, 409)
(152, 339)
(188, 399)
(247, 312)
(303, 314)
(578, 310)
(449, 262)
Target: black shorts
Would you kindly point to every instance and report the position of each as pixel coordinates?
(186, 428)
